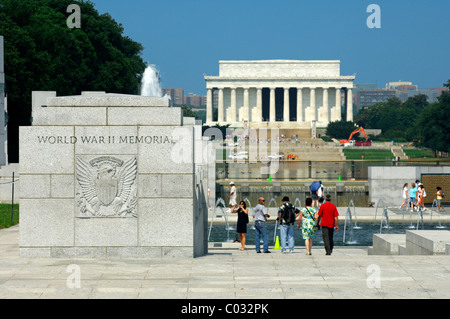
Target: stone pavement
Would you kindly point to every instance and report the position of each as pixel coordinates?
(225, 274)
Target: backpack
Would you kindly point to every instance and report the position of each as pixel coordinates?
(288, 214)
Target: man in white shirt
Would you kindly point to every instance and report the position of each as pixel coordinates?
(232, 196)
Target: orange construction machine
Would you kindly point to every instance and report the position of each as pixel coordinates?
(353, 133)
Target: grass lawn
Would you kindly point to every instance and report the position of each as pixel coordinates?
(5, 215)
(356, 154)
(418, 153)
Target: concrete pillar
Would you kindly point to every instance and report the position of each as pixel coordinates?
(312, 104)
(326, 117)
(300, 105)
(272, 105)
(286, 113)
(233, 106)
(258, 106)
(220, 110)
(246, 115)
(337, 108)
(209, 106)
(349, 104)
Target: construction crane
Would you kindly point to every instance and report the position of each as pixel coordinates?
(360, 130)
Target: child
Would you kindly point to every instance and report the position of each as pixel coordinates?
(439, 196)
(405, 195)
(421, 196)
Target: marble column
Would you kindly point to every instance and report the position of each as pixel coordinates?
(337, 109)
(286, 113)
(299, 105)
(246, 107)
(312, 105)
(349, 104)
(209, 106)
(233, 106)
(325, 115)
(220, 109)
(272, 105)
(259, 114)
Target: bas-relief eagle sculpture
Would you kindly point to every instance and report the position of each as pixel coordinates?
(107, 187)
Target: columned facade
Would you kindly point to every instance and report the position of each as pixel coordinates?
(297, 92)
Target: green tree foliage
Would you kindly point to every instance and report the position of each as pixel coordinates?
(395, 118)
(340, 129)
(43, 54)
(433, 125)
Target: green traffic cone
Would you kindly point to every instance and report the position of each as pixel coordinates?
(270, 178)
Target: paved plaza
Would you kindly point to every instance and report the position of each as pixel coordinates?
(225, 274)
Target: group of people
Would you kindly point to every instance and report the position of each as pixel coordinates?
(415, 196)
(308, 219)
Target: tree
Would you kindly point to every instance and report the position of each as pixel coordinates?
(433, 124)
(340, 129)
(43, 54)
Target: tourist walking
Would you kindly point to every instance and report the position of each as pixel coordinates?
(241, 229)
(405, 196)
(328, 221)
(287, 213)
(307, 219)
(439, 197)
(260, 216)
(232, 197)
(421, 194)
(412, 195)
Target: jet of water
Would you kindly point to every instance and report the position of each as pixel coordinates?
(150, 85)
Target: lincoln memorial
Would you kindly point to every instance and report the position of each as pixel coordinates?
(285, 94)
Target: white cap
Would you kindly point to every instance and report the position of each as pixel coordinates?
(231, 183)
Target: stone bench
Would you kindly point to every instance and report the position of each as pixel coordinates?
(386, 244)
(414, 242)
(427, 242)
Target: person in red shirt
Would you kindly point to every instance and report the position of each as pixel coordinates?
(328, 220)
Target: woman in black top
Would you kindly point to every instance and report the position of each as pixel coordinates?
(241, 229)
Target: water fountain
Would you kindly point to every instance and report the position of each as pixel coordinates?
(250, 208)
(220, 203)
(354, 214)
(420, 218)
(297, 200)
(150, 85)
(434, 205)
(349, 219)
(386, 218)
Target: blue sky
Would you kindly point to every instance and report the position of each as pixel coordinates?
(186, 38)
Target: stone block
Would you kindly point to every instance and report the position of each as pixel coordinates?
(45, 150)
(134, 252)
(34, 186)
(46, 222)
(155, 116)
(177, 185)
(165, 222)
(426, 242)
(62, 186)
(78, 252)
(35, 252)
(63, 116)
(106, 140)
(149, 185)
(110, 232)
(98, 99)
(171, 150)
(447, 249)
(387, 244)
